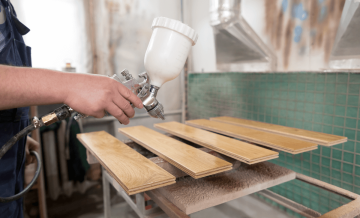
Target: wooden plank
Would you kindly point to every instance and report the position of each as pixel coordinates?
(194, 162)
(306, 135)
(290, 145)
(178, 173)
(236, 149)
(131, 170)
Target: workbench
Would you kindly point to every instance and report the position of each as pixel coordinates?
(172, 205)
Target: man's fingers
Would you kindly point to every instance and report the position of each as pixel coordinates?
(124, 105)
(114, 110)
(128, 95)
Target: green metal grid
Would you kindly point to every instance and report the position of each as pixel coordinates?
(323, 102)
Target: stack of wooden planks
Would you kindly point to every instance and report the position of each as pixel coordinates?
(194, 162)
(134, 172)
(236, 149)
(301, 134)
(278, 142)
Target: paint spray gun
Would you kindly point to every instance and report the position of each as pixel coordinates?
(165, 57)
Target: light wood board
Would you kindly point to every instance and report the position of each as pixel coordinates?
(134, 172)
(306, 135)
(236, 149)
(178, 173)
(194, 162)
(282, 143)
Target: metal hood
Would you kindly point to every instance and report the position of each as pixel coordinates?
(238, 47)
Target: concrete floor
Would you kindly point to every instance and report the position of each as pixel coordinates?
(245, 207)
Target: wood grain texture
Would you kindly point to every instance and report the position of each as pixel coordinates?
(178, 173)
(282, 143)
(236, 149)
(306, 135)
(194, 162)
(131, 170)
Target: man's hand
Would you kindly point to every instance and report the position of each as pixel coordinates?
(31, 145)
(94, 94)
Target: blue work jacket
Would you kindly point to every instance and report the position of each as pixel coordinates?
(14, 52)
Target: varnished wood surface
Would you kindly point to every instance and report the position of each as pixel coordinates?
(236, 149)
(194, 162)
(306, 135)
(134, 172)
(290, 145)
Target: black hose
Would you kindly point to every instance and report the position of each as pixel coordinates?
(60, 113)
(16, 138)
(23, 192)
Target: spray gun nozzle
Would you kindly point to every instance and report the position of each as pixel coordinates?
(157, 111)
(152, 105)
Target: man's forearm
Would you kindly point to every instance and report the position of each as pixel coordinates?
(88, 94)
(21, 86)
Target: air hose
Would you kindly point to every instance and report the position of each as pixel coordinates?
(58, 114)
(23, 192)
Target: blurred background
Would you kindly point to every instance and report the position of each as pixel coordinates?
(287, 62)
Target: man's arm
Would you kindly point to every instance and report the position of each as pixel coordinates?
(87, 94)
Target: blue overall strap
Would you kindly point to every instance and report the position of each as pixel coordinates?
(14, 52)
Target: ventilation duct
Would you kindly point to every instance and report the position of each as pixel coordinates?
(346, 49)
(238, 47)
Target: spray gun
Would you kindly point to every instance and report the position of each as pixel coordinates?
(143, 89)
(164, 59)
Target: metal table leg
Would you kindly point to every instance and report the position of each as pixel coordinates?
(106, 192)
(140, 202)
(138, 207)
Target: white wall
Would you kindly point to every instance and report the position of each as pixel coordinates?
(203, 53)
(57, 32)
